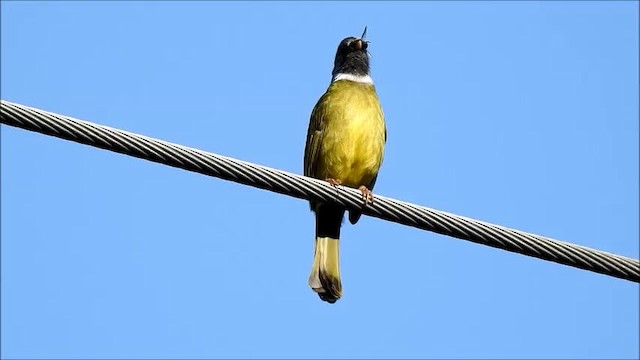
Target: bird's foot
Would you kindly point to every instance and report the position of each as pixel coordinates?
(333, 182)
(367, 195)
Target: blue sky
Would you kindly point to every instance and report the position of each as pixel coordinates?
(524, 114)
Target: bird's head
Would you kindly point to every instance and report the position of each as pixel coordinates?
(352, 56)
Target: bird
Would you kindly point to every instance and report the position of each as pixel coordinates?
(345, 146)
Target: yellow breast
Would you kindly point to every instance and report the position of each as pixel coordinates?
(352, 144)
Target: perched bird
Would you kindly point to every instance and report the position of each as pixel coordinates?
(345, 146)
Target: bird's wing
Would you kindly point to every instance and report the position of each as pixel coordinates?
(314, 138)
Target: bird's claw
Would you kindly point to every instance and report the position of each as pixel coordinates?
(367, 195)
(333, 182)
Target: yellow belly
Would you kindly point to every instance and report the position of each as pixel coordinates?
(352, 145)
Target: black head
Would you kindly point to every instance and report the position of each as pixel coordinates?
(352, 57)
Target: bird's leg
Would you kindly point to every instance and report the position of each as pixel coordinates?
(367, 195)
(333, 182)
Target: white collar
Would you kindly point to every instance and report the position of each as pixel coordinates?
(364, 79)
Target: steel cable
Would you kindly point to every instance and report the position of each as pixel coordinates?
(312, 189)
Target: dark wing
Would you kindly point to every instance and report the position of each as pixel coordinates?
(314, 138)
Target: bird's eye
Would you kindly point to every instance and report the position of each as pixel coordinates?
(365, 45)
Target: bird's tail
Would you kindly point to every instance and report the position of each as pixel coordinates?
(325, 273)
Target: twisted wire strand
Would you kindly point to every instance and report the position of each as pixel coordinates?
(312, 189)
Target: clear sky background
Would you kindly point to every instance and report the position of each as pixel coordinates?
(524, 114)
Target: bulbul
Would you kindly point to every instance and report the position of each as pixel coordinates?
(345, 146)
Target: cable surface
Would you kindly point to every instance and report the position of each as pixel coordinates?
(312, 189)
